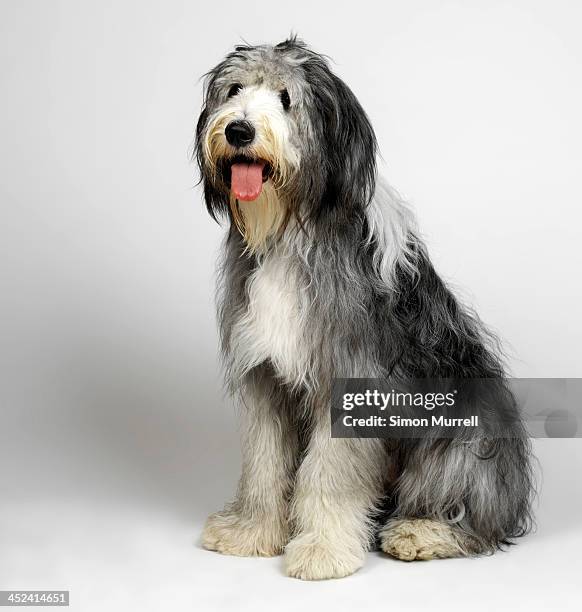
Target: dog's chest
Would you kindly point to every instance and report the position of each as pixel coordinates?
(272, 327)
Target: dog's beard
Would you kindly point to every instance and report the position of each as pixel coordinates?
(259, 221)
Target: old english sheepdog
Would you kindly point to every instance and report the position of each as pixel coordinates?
(324, 276)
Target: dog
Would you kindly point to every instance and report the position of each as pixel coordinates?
(324, 275)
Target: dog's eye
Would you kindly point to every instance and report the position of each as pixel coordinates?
(234, 89)
(285, 99)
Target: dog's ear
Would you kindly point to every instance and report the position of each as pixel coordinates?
(216, 200)
(348, 141)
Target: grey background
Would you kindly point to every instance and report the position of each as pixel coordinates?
(115, 437)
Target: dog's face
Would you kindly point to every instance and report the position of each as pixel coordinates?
(281, 137)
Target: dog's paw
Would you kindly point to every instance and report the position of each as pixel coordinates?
(310, 558)
(419, 539)
(232, 534)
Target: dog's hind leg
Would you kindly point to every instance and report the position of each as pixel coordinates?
(457, 498)
(256, 523)
(422, 539)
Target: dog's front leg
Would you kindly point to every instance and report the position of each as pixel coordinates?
(256, 523)
(338, 484)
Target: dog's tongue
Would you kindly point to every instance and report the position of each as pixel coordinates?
(246, 180)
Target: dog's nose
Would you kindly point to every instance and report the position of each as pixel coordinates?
(239, 133)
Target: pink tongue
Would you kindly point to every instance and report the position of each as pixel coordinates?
(246, 180)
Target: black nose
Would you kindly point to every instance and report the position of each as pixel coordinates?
(239, 133)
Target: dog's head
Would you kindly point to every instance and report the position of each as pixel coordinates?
(280, 137)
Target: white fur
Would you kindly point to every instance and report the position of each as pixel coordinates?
(256, 523)
(422, 539)
(273, 326)
(390, 221)
(332, 503)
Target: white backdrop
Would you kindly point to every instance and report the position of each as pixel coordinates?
(475, 104)
(110, 385)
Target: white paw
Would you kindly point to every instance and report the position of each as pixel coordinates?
(230, 533)
(419, 539)
(310, 558)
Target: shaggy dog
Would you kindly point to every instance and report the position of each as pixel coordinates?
(324, 276)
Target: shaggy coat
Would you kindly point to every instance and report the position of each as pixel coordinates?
(324, 276)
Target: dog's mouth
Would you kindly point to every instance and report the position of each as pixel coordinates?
(245, 176)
